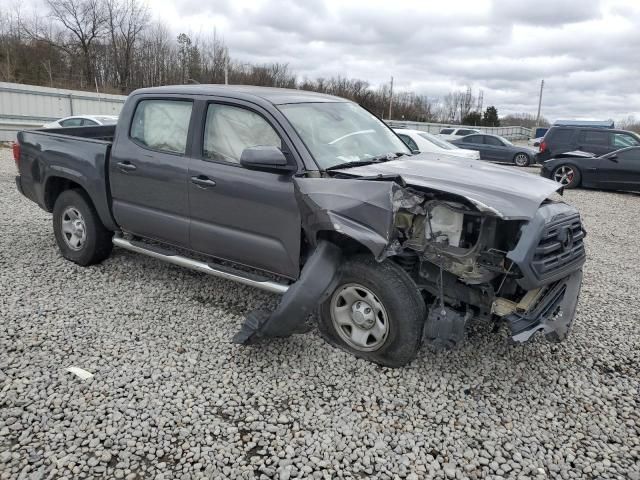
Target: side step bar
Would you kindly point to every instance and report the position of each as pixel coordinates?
(222, 272)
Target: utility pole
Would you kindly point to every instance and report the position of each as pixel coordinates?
(539, 104)
(390, 97)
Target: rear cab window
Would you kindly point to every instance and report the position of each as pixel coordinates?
(162, 125)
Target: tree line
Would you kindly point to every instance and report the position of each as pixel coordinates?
(114, 46)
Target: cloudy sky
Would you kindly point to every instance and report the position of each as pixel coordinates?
(587, 51)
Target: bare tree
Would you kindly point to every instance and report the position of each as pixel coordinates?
(126, 20)
(82, 22)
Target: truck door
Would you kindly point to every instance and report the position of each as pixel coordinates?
(148, 171)
(246, 216)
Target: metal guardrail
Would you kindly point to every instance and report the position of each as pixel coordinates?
(510, 133)
(30, 106)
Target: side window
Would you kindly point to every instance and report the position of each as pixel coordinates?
(623, 140)
(473, 139)
(71, 122)
(631, 154)
(162, 125)
(229, 130)
(446, 131)
(561, 136)
(592, 137)
(408, 141)
(493, 141)
(88, 123)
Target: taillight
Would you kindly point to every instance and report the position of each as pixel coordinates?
(16, 152)
(543, 146)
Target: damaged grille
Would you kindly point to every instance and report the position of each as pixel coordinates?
(560, 245)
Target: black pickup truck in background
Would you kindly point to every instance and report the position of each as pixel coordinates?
(312, 197)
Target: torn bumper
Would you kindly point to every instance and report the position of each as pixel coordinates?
(552, 313)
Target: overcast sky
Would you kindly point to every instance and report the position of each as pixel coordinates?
(587, 51)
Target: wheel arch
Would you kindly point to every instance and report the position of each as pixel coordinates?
(348, 244)
(58, 182)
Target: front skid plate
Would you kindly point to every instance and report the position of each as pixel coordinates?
(553, 314)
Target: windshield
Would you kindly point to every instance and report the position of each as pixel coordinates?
(337, 133)
(438, 142)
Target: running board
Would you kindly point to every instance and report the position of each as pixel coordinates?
(222, 272)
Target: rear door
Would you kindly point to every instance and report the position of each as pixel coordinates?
(475, 142)
(246, 216)
(594, 141)
(496, 150)
(620, 170)
(148, 170)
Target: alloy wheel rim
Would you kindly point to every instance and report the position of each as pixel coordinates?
(74, 229)
(359, 317)
(521, 159)
(564, 175)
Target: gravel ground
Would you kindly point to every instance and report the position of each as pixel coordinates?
(172, 398)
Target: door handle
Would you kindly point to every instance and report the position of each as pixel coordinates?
(126, 166)
(203, 181)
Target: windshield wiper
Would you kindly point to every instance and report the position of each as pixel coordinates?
(358, 163)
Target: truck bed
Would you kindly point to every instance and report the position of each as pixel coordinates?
(79, 155)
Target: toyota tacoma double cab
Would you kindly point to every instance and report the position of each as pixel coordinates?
(312, 197)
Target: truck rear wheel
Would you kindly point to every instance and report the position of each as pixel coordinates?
(376, 312)
(81, 236)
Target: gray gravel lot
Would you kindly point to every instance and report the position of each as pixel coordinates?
(171, 397)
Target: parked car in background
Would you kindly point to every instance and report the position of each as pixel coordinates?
(618, 170)
(534, 142)
(456, 133)
(420, 141)
(599, 141)
(83, 121)
(497, 149)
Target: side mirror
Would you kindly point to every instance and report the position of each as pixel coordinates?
(415, 152)
(263, 157)
(613, 158)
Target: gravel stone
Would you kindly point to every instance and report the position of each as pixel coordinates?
(171, 397)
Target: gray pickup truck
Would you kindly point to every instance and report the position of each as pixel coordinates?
(312, 197)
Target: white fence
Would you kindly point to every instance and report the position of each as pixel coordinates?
(28, 106)
(511, 133)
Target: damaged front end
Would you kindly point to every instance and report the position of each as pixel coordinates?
(468, 258)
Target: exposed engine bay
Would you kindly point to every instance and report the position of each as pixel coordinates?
(469, 258)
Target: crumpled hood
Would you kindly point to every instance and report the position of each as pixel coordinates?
(509, 193)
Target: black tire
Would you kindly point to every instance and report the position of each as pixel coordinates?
(576, 178)
(401, 299)
(97, 242)
(519, 159)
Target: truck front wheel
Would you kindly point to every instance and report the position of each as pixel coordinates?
(81, 236)
(376, 312)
